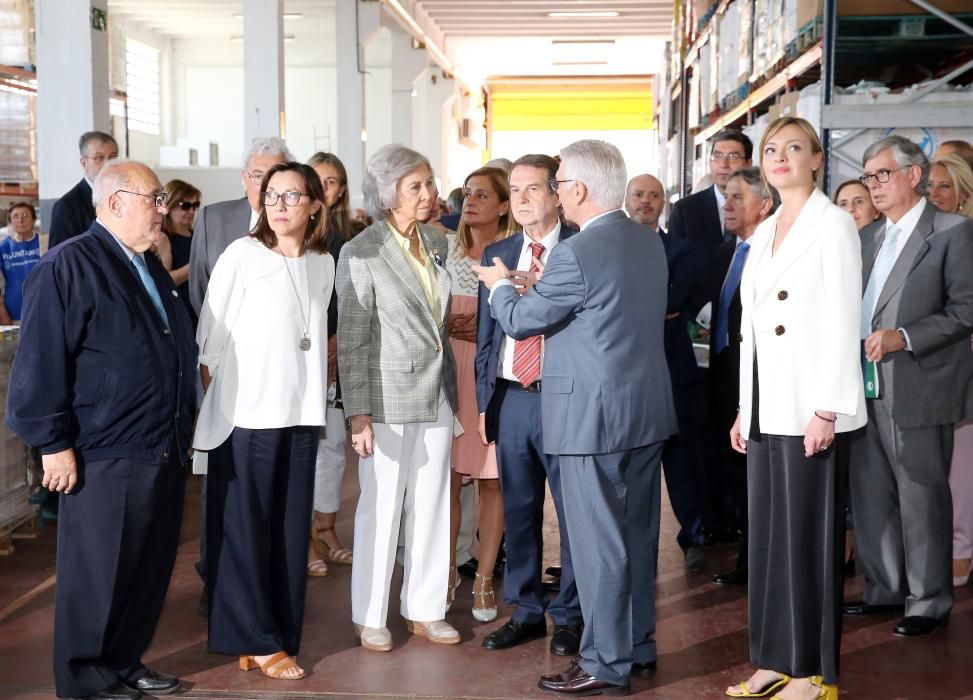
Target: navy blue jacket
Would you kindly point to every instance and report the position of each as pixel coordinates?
(683, 267)
(489, 334)
(72, 215)
(696, 219)
(97, 369)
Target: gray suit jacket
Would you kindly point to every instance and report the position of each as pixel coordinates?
(217, 226)
(929, 294)
(393, 356)
(601, 305)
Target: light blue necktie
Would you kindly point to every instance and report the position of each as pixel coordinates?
(726, 295)
(149, 284)
(880, 274)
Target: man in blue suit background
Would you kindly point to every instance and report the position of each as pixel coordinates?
(74, 213)
(508, 394)
(606, 408)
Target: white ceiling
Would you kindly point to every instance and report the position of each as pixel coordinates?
(218, 18)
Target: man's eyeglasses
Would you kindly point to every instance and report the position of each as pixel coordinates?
(256, 177)
(555, 183)
(881, 176)
(728, 157)
(100, 158)
(291, 198)
(186, 206)
(158, 199)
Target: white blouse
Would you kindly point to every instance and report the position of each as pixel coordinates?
(250, 330)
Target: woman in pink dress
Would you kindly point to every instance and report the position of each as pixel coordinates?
(486, 218)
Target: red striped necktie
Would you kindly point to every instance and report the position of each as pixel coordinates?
(527, 352)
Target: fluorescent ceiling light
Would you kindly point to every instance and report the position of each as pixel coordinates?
(588, 42)
(584, 13)
(287, 15)
(580, 63)
(239, 37)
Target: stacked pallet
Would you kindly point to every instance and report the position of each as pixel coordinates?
(17, 516)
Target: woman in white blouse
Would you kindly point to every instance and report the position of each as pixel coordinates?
(263, 338)
(801, 393)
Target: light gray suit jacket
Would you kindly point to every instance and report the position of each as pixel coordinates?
(601, 305)
(929, 294)
(393, 355)
(217, 226)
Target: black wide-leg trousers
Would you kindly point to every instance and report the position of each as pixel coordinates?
(258, 509)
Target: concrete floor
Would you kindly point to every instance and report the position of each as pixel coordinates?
(701, 633)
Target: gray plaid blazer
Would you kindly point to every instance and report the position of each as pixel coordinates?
(393, 356)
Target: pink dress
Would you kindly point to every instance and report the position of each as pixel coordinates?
(470, 456)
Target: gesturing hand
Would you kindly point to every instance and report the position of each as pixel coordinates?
(60, 471)
(491, 274)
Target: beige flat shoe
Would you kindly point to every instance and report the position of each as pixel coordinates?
(437, 632)
(374, 638)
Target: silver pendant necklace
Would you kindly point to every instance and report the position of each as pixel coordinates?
(305, 342)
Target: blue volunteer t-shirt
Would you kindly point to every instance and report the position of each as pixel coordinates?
(18, 259)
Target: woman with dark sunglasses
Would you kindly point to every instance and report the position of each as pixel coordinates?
(183, 202)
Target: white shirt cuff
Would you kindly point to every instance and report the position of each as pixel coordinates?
(496, 287)
(908, 341)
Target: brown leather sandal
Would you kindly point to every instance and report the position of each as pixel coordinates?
(342, 555)
(274, 667)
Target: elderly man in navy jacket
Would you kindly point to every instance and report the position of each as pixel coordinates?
(104, 386)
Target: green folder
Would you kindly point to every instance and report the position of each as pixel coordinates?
(873, 388)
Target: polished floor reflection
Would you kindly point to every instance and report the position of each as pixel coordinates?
(702, 639)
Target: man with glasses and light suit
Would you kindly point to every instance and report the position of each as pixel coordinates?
(74, 213)
(217, 226)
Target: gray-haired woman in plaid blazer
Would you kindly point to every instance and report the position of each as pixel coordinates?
(398, 379)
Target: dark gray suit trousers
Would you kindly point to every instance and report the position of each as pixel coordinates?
(612, 509)
(903, 513)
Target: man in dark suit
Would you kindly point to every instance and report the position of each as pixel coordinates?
(104, 386)
(510, 412)
(917, 316)
(606, 408)
(698, 218)
(748, 202)
(644, 201)
(74, 213)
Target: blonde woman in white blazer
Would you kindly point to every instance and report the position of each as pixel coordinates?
(800, 394)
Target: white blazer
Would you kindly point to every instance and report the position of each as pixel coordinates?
(801, 316)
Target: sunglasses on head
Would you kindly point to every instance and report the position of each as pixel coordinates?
(186, 206)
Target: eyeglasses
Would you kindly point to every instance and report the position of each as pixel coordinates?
(159, 199)
(256, 177)
(881, 176)
(186, 206)
(291, 198)
(555, 183)
(728, 157)
(100, 158)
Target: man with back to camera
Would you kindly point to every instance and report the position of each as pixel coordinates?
(645, 199)
(917, 316)
(508, 393)
(606, 409)
(104, 386)
(74, 213)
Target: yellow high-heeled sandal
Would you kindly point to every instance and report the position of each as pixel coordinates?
(826, 690)
(771, 687)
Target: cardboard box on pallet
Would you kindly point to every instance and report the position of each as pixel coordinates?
(807, 10)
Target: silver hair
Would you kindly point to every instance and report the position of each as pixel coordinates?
(600, 166)
(906, 153)
(266, 145)
(758, 184)
(504, 164)
(114, 175)
(383, 171)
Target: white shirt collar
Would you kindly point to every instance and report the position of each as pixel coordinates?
(254, 215)
(910, 219)
(720, 197)
(549, 240)
(595, 218)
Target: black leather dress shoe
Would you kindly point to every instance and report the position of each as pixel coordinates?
(155, 683)
(860, 607)
(468, 569)
(737, 577)
(918, 625)
(566, 640)
(514, 633)
(117, 691)
(576, 683)
(646, 670)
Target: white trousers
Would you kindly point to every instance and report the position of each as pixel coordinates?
(406, 481)
(329, 468)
